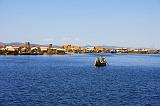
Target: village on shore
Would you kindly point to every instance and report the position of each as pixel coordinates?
(28, 49)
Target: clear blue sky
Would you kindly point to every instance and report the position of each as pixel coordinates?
(131, 23)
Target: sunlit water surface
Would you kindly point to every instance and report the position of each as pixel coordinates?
(131, 80)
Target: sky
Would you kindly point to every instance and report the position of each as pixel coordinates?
(128, 23)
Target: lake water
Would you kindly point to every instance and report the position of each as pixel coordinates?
(129, 80)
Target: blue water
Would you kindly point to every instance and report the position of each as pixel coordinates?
(129, 80)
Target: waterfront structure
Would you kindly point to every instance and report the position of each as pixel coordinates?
(11, 50)
(83, 50)
(90, 50)
(55, 50)
(43, 49)
(3, 50)
(99, 49)
(152, 51)
(61, 51)
(51, 51)
(28, 49)
(121, 50)
(50, 46)
(113, 51)
(36, 50)
(25, 48)
(72, 48)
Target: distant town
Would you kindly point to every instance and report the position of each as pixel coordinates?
(29, 49)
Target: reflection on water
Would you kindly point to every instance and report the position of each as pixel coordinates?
(74, 80)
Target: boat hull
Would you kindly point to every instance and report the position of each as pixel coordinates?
(100, 64)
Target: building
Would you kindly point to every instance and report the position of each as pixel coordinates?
(43, 49)
(89, 50)
(72, 48)
(121, 50)
(35, 49)
(11, 50)
(61, 51)
(2, 50)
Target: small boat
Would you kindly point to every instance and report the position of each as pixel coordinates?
(100, 61)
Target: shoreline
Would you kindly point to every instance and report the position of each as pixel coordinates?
(79, 54)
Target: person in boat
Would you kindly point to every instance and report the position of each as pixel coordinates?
(97, 61)
(102, 60)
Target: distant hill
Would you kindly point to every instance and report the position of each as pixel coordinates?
(21, 44)
(105, 46)
(113, 47)
(15, 44)
(11, 44)
(2, 44)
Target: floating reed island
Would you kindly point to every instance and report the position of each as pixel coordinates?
(29, 49)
